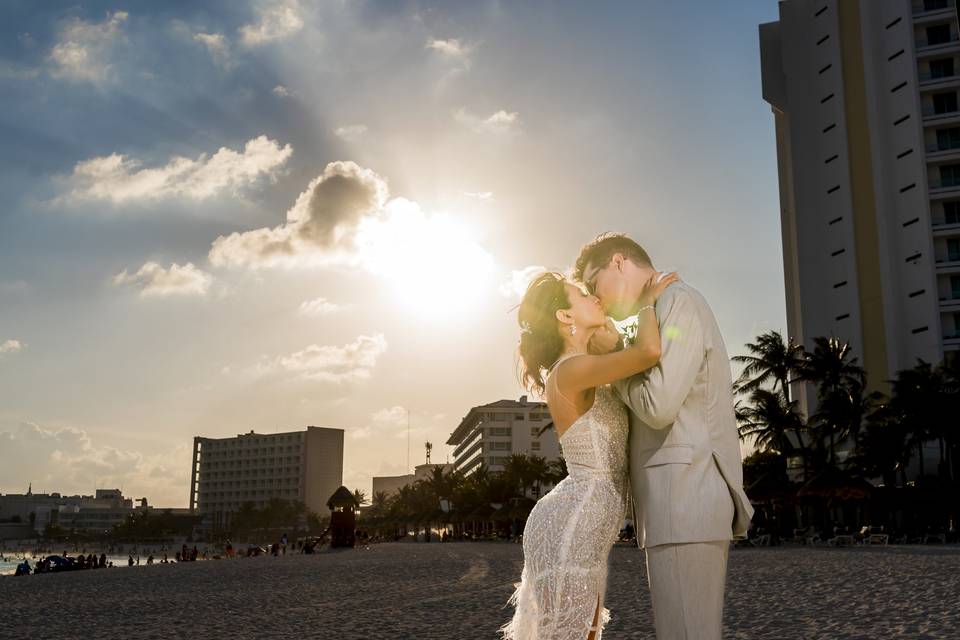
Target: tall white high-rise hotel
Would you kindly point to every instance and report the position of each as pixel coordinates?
(865, 101)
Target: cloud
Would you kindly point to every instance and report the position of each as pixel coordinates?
(395, 416)
(10, 346)
(486, 196)
(350, 132)
(333, 203)
(344, 219)
(155, 281)
(119, 179)
(517, 284)
(452, 47)
(385, 419)
(320, 307)
(275, 21)
(66, 459)
(328, 363)
(501, 123)
(281, 91)
(456, 57)
(82, 52)
(217, 45)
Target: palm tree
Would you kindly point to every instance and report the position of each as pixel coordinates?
(557, 470)
(539, 473)
(882, 447)
(843, 411)
(519, 472)
(359, 496)
(379, 501)
(771, 360)
(836, 373)
(921, 396)
(769, 420)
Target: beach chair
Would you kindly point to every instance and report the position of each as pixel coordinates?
(762, 540)
(876, 538)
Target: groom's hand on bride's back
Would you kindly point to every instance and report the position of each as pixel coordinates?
(606, 339)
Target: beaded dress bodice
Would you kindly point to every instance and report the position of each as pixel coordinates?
(595, 445)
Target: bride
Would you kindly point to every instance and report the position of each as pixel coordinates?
(570, 531)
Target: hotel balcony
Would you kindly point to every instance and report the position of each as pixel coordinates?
(950, 302)
(943, 229)
(940, 153)
(948, 264)
(940, 189)
(932, 117)
(937, 82)
(937, 47)
(929, 12)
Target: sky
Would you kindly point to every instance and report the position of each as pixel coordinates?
(228, 216)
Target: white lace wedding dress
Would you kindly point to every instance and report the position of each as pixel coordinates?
(570, 531)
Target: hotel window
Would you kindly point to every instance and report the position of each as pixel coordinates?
(955, 287)
(934, 5)
(534, 432)
(948, 138)
(938, 34)
(951, 212)
(945, 102)
(953, 250)
(535, 446)
(942, 68)
(950, 175)
(518, 416)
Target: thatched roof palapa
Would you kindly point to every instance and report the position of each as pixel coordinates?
(835, 484)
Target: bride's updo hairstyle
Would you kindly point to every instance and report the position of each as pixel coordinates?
(541, 344)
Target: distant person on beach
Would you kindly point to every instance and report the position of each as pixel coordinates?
(130, 561)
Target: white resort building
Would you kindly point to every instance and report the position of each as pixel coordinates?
(865, 102)
(490, 433)
(302, 466)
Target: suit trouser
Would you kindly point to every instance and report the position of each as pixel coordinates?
(686, 585)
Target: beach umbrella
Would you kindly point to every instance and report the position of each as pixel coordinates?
(770, 487)
(522, 508)
(835, 484)
(480, 514)
(502, 514)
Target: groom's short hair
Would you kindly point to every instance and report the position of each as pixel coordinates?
(601, 251)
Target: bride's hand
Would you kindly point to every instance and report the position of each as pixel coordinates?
(655, 286)
(605, 339)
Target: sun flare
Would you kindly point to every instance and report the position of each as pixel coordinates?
(433, 264)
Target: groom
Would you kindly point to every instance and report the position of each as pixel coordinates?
(685, 468)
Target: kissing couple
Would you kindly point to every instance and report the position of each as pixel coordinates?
(667, 400)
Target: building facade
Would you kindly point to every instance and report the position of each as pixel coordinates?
(491, 433)
(96, 514)
(302, 466)
(864, 96)
(390, 485)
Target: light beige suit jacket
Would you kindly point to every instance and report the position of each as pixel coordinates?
(685, 466)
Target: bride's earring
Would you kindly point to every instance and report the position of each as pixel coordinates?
(573, 330)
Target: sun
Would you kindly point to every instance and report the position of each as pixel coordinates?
(431, 262)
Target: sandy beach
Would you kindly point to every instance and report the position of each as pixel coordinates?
(457, 591)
